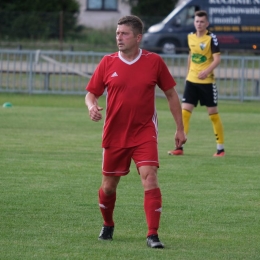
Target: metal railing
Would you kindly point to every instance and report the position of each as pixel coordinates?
(68, 72)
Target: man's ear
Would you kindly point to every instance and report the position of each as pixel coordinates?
(139, 37)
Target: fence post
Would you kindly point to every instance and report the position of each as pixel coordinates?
(256, 92)
(30, 78)
(242, 83)
(61, 30)
(47, 81)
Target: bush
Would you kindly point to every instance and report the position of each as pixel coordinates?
(37, 19)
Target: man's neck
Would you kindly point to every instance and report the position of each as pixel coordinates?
(201, 34)
(131, 55)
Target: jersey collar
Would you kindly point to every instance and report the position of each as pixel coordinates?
(130, 62)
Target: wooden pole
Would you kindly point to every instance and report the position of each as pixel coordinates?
(61, 30)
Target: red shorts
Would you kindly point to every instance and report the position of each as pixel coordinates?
(117, 161)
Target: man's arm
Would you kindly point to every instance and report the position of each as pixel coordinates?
(93, 108)
(175, 108)
(188, 63)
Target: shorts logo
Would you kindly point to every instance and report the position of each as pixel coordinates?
(215, 93)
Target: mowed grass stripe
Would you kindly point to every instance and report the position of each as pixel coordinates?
(50, 171)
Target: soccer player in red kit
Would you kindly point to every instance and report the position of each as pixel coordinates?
(130, 129)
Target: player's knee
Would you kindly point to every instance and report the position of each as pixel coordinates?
(150, 180)
(109, 184)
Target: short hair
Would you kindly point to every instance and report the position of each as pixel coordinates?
(201, 13)
(134, 22)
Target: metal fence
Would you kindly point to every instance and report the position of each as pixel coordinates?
(68, 72)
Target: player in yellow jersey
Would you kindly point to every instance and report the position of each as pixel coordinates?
(204, 57)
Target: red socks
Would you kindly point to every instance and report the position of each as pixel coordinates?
(107, 205)
(153, 209)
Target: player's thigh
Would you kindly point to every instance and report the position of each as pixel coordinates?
(116, 161)
(191, 94)
(146, 154)
(146, 159)
(208, 95)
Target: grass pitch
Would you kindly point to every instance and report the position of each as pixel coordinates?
(50, 171)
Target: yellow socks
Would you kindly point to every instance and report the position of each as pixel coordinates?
(217, 128)
(186, 120)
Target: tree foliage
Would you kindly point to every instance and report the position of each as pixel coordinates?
(151, 11)
(152, 7)
(37, 18)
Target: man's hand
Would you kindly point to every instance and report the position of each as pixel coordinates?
(180, 139)
(94, 113)
(203, 74)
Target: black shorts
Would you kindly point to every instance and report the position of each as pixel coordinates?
(207, 94)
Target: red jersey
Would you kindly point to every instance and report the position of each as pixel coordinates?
(131, 117)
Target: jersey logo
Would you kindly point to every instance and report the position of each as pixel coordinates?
(198, 58)
(114, 75)
(202, 46)
(215, 40)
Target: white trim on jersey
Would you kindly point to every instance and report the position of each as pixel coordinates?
(130, 62)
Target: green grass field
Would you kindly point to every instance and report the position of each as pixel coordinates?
(50, 171)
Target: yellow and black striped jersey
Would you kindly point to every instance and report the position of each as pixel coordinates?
(201, 51)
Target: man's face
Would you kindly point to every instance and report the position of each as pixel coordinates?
(126, 39)
(201, 23)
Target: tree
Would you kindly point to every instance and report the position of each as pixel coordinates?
(152, 7)
(37, 18)
(152, 11)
